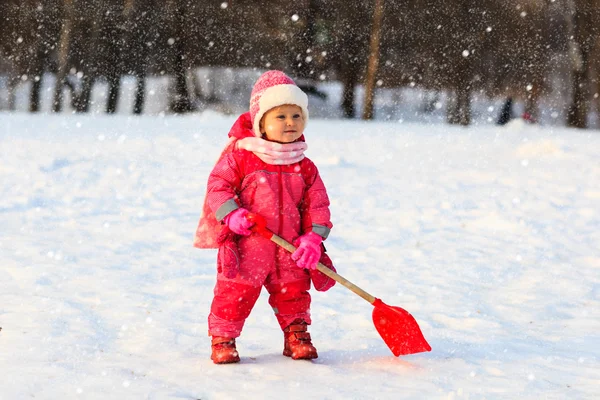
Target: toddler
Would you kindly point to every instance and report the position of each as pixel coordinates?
(263, 170)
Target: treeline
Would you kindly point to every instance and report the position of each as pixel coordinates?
(501, 48)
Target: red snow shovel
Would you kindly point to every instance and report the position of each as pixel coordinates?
(398, 329)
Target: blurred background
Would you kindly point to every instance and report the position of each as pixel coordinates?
(540, 57)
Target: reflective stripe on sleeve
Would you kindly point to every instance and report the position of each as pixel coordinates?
(227, 207)
(321, 230)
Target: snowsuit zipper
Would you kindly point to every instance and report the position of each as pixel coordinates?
(280, 205)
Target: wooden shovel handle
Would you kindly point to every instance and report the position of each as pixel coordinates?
(322, 268)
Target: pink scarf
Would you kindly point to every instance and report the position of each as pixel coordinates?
(273, 153)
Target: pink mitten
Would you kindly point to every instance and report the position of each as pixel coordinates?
(309, 250)
(238, 223)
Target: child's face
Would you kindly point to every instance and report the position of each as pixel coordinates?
(283, 124)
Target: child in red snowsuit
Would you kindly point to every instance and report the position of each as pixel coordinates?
(263, 170)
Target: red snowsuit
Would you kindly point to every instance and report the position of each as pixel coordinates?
(293, 200)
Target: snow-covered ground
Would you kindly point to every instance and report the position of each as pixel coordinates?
(489, 236)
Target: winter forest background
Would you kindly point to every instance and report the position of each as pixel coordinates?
(531, 51)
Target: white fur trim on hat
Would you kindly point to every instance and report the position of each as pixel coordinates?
(277, 96)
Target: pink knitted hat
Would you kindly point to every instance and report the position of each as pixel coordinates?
(272, 89)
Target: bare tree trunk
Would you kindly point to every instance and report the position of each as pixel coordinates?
(350, 50)
(63, 54)
(37, 72)
(114, 42)
(82, 103)
(87, 52)
(114, 86)
(596, 84)
(464, 104)
(459, 106)
(451, 113)
(140, 93)
(348, 95)
(13, 82)
(373, 60)
(574, 112)
(140, 18)
(181, 103)
(36, 68)
(461, 58)
(578, 110)
(584, 22)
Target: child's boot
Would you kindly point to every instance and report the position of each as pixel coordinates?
(224, 351)
(297, 343)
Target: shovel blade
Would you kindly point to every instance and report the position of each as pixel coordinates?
(398, 329)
